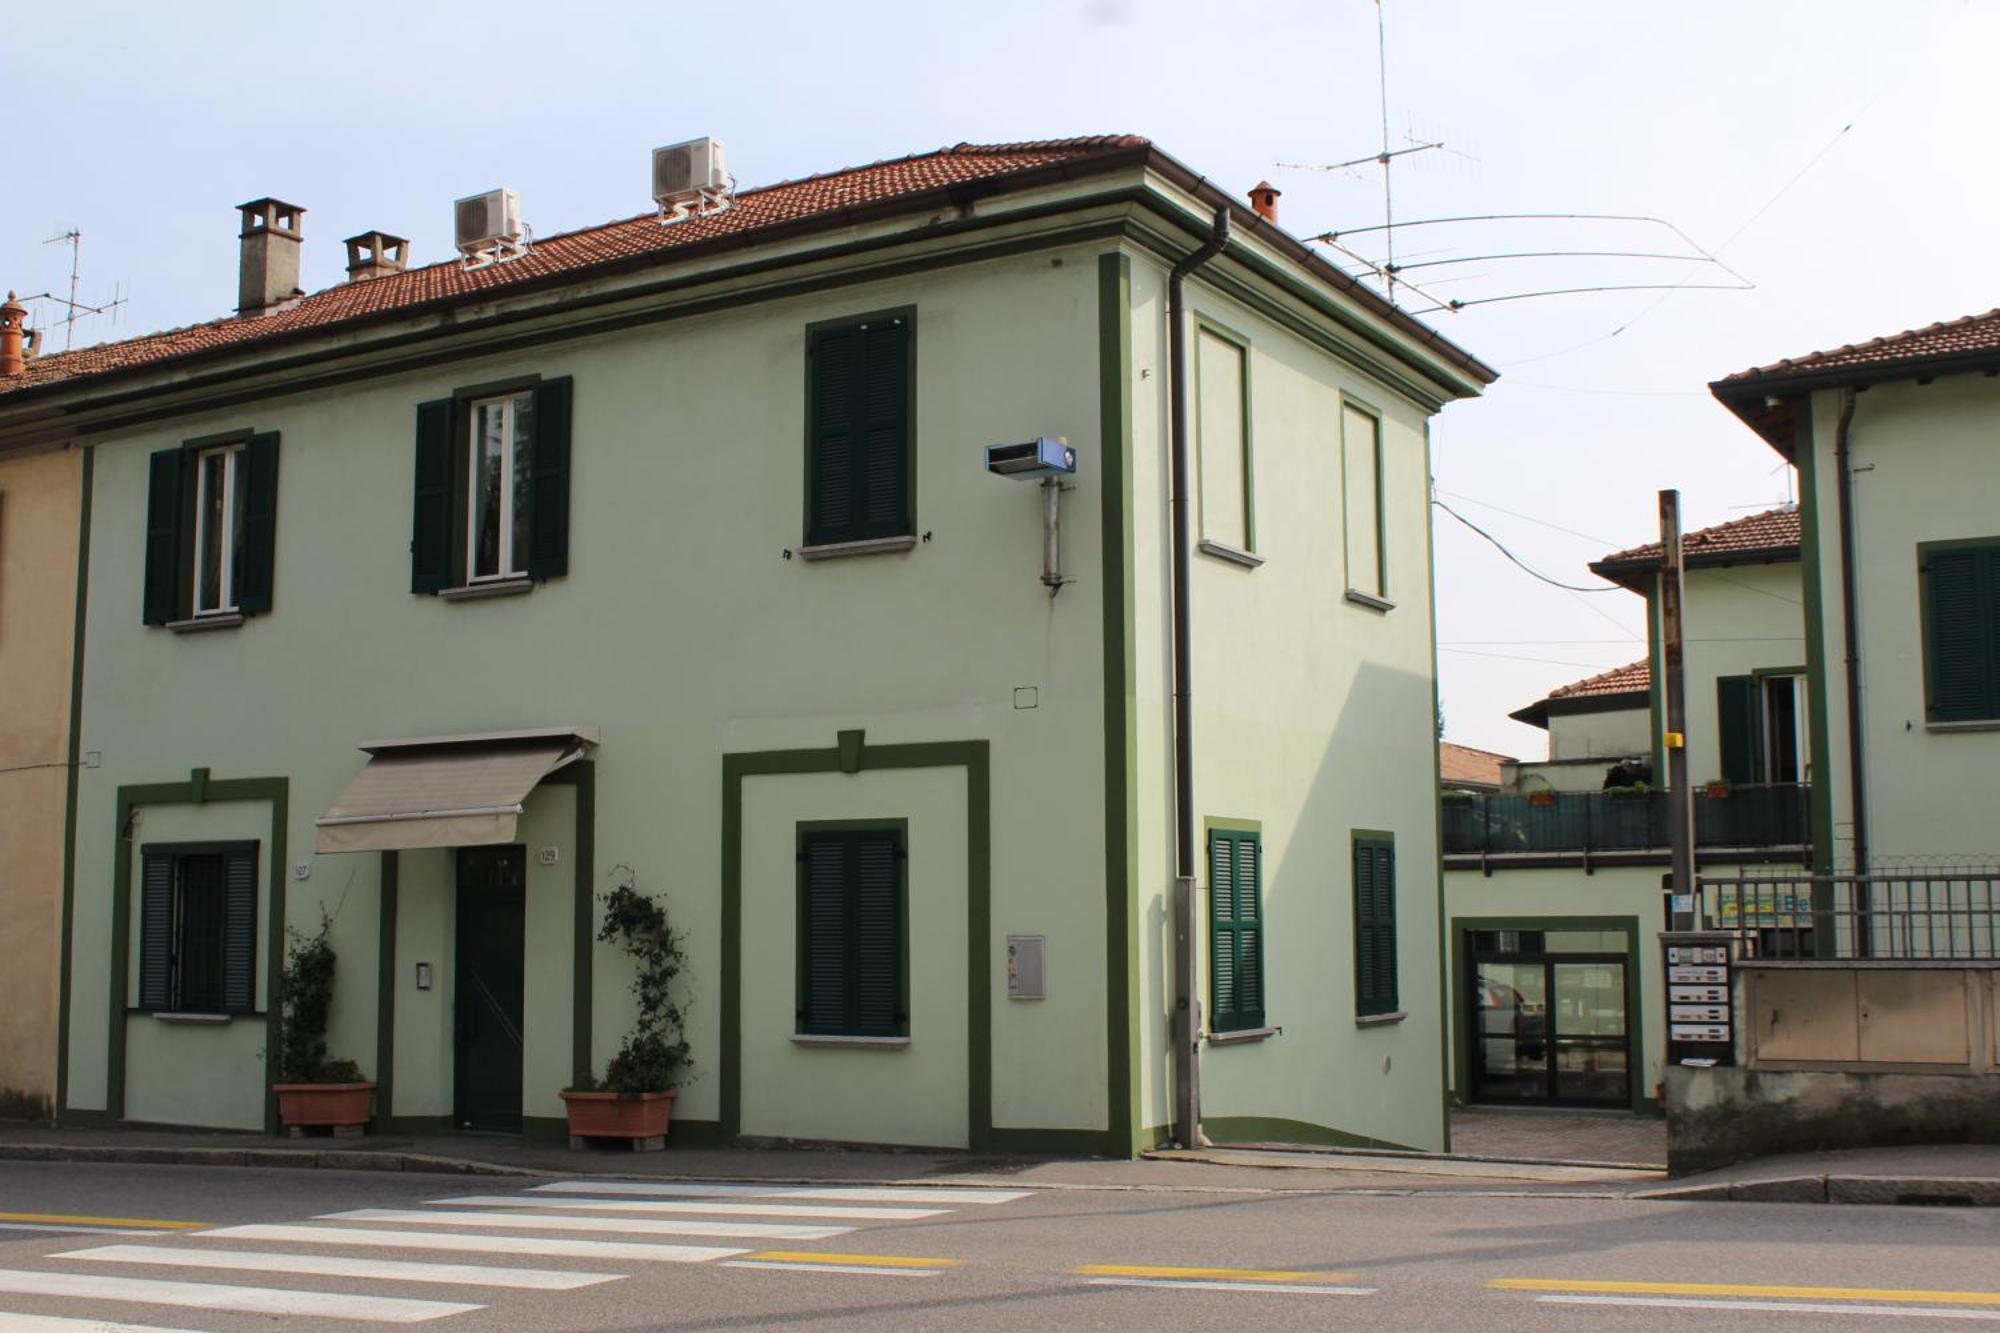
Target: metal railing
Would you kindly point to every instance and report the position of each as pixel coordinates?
(1762, 816)
(1940, 916)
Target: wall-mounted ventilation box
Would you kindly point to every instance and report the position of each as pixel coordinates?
(1049, 456)
(687, 171)
(483, 220)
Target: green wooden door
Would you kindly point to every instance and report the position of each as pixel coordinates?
(492, 905)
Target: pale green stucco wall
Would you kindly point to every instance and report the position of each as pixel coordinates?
(1739, 619)
(1925, 470)
(1609, 735)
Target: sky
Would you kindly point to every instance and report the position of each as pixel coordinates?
(1836, 155)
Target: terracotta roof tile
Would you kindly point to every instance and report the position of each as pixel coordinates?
(1969, 336)
(1465, 765)
(578, 252)
(1771, 531)
(1632, 678)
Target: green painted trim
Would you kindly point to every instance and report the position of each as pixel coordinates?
(1461, 972)
(1056, 1142)
(1121, 821)
(1155, 1136)
(545, 1129)
(274, 791)
(908, 315)
(975, 757)
(1241, 1020)
(852, 743)
(74, 759)
(1778, 671)
(389, 876)
(808, 827)
(1818, 726)
(1215, 823)
(1241, 342)
(583, 920)
(1437, 807)
(695, 1133)
(1225, 1129)
(1369, 410)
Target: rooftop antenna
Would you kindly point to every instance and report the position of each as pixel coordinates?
(73, 309)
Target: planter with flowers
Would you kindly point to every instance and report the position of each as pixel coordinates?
(634, 1101)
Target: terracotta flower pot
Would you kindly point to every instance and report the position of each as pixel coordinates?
(333, 1106)
(1541, 798)
(640, 1117)
(1718, 791)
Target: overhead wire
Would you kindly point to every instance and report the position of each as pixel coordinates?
(1501, 547)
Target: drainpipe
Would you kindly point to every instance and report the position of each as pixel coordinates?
(1857, 785)
(1187, 1025)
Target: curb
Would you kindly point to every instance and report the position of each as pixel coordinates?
(1918, 1191)
(282, 1158)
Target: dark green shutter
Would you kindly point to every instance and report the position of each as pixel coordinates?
(259, 479)
(1962, 617)
(858, 470)
(851, 947)
(1236, 932)
(548, 485)
(876, 869)
(1375, 985)
(431, 526)
(201, 935)
(239, 944)
(1740, 723)
(823, 935)
(156, 930)
(167, 549)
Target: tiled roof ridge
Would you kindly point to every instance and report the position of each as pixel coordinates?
(1784, 519)
(1627, 679)
(87, 359)
(1885, 348)
(1474, 749)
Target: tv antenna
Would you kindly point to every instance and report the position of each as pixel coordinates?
(73, 309)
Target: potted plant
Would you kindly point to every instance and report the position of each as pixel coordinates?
(314, 1092)
(1718, 789)
(635, 1099)
(1542, 796)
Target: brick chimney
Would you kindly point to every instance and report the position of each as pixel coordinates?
(1264, 198)
(268, 279)
(375, 254)
(13, 326)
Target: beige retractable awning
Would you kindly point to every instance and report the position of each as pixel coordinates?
(445, 791)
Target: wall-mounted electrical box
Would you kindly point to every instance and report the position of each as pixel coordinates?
(1049, 456)
(1024, 966)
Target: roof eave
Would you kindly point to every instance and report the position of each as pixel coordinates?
(1751, 397)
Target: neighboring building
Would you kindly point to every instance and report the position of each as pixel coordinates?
(41, 501)
(1554, 886)
(443, 600)
(1893, 441)
(1462, 768)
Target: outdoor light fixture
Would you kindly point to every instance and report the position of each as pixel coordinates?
(1048, 460)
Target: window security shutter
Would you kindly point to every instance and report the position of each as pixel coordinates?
(259, 479)
(1236, 933)
(859, 468)
(431, 526)
(156, 930)
(1960, 611)
(1222, 987)
(200, 935)
(878, 936)
(1375, 983)
(851, 934)
(823, 936)
(1740, 722)
(548, 486)
(166, 552)
(239, 948)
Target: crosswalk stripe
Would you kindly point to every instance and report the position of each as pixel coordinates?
(850, 1193)
(1275, 1288)
(215, 1296)
(603, 1250)
(855, 1214)
(70, 1219)
(48, 1323)
(1784, 1307)
(649, 1226)
(342, 1265)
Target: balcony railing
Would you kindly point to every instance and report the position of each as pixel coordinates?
(1931, 915)
(1755, 817)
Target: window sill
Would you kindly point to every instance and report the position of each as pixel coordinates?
(871, 546)
(1369, 600)
(1232, 554)
(861, 1043)
(1380, 1020)
(472, 592)
(216, 620)
(195, 1020)
(1242, 1036)
(1981, 724)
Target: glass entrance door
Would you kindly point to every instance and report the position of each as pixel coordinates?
(1547, 1027)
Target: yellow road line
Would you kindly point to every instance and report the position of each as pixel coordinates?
(64, 1219)
(1903, 1294)
(1228, 1274)
(874, 1260)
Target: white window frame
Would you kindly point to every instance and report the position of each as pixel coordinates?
(509, 570)
(232, 477)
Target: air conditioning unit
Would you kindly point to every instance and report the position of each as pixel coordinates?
(689, 179)
(486, 222)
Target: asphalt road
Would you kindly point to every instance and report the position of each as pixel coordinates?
(228, 1249)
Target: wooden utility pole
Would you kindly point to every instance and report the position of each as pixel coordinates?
(1680, 798)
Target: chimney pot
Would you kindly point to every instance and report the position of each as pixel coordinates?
(13, 324)
(1264, 199)
(376, 254)
(268, 276)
